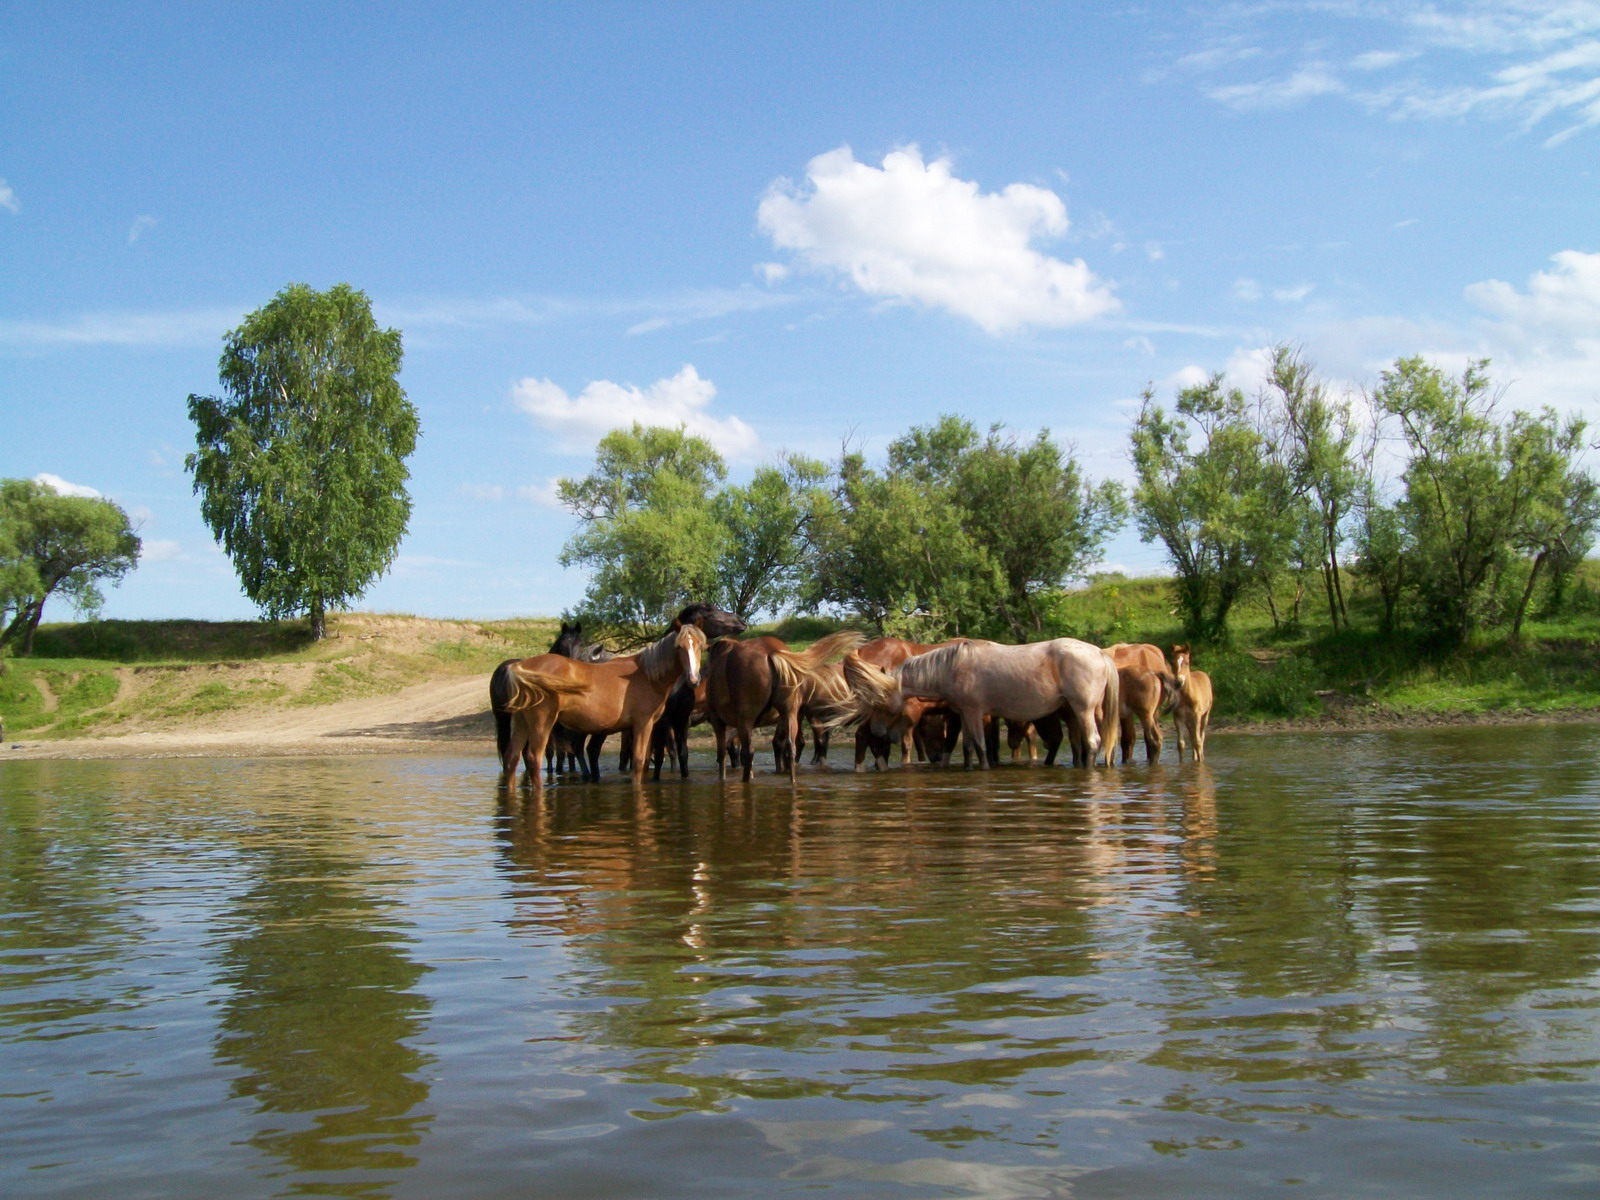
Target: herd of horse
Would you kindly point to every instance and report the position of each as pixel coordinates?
(559, 707)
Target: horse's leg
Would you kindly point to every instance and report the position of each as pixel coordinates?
(1152, 735)
(1049, 730)
(952, 735)
(1202, 727)
(792, 726)
(680, 740)
(1125, 730)
(747, 749)
(539, 723)
(991, 742)
(511, 753)
(720, 732)
(975, 736)
(591, 773)
(861, 749)
(641, 749)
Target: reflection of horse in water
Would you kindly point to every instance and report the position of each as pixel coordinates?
(979, 679)
(590, 698)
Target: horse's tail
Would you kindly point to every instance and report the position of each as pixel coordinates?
(805, 674)
(529, 689)
(1111, 709)
(500, 688)
(869, 689)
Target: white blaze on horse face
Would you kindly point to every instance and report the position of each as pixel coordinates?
(689, 647)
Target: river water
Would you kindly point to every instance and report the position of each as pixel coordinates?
(1318, 966)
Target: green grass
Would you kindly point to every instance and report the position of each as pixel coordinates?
(1266, 672)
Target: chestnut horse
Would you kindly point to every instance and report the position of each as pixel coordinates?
(589, 698)
(1142, 694)
(671, 734)
(1191, 711)
(979, 678)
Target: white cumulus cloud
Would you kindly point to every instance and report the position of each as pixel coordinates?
(684, 399)
(8, 198)
(912, 231)
(61, 487)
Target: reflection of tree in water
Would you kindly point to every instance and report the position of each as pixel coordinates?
(773, 946)
(62, 890)
(1428, 907)
(321, 1002)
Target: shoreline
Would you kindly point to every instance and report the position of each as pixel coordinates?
(472, 734)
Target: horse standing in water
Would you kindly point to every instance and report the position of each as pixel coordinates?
(671, 734)
(597, 698)
(979, 678)
(744, 690)
(570, 644)
(1191, 711)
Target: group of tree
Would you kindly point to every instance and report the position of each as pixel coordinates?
(958, 533)
(1452, 514)
(53, 544)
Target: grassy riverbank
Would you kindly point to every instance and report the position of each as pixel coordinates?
(118, 677)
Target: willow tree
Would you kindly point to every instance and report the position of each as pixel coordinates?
(301, 464)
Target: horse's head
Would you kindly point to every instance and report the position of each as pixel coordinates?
(569, 641)
(712, 621)
(691, 644)
(1180, 664)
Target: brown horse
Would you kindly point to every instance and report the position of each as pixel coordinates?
(978, 678)
(1191, 711)
(588, 698)
(830, 695)
(754, 682)
(1141, 695)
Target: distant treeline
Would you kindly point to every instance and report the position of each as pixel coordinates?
(1457, 517)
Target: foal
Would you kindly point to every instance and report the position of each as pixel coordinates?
(1191, 710)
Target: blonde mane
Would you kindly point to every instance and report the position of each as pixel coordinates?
(659, 660)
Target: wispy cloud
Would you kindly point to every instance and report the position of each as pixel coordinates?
(911, 231)
(141, 226)
(195, 327)
(1533, 62)
(684, 399)
(8, 198)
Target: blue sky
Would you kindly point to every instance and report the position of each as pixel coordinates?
(786, 226)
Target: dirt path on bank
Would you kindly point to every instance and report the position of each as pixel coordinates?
(448, 716)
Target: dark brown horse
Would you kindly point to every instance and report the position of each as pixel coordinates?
(761, 681)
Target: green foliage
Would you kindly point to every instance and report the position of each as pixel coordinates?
(1211, 493)
(960, 534)
(1248, 686)
(300, 466)
(1481, 496)
(56, 545)
(649, 536)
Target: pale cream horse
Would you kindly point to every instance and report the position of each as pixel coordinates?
(1191, 710)
(979, 679)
